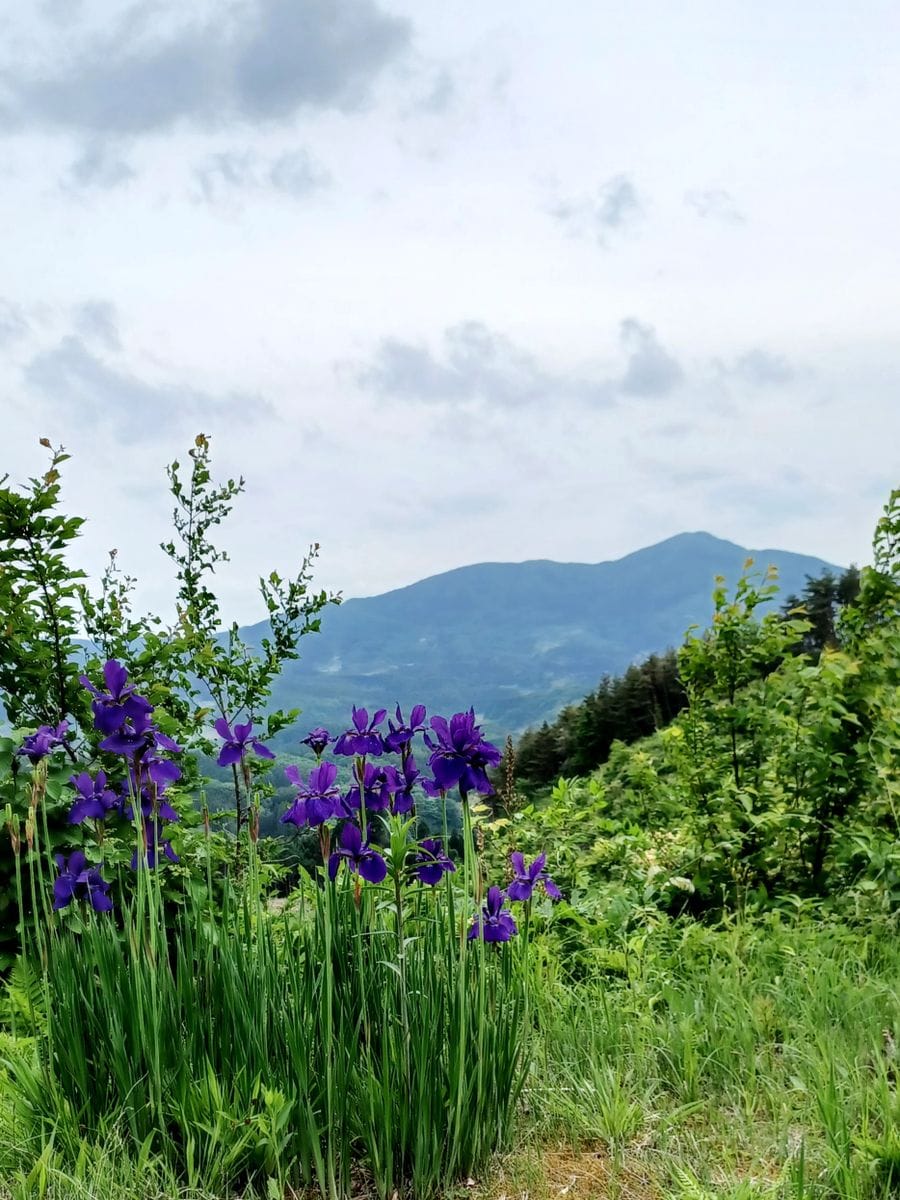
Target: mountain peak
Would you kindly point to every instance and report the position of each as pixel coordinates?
(516, 640)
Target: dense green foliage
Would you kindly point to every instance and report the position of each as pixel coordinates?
(822, 601)
(649, 695)
(38, 601)
(777, 781)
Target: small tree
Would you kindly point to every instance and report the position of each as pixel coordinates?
(39, 616)
(237, 679)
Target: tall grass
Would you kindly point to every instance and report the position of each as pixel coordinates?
(354, 1034)
(757, 1062)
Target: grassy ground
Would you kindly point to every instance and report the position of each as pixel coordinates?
(756, 1063)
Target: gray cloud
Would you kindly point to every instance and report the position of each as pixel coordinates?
(651, 370)
(293, 174)
(481, 365)
(759, 368)
(715, 204)
(224, 172)
(73, 379)
(615, 207)
(431, 509)
(98, 166)
(478, 365)
(96, 319)
(325, 53)
(261, 60)
(681, 474)
(688, 476)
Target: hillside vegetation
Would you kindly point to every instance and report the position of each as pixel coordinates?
(650, 694)
(673, 976)
(772, 775)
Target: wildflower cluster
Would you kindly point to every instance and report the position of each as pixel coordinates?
(458, 758)
(375, 788)
(125, 721)
(496, 923)
(456, 752)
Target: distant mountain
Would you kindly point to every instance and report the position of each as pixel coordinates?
(517, 640)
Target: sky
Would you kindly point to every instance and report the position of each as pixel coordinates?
(452, 283)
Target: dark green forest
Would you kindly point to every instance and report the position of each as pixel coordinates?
(649, 695)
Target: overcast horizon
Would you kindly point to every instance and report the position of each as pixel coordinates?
(453, 284)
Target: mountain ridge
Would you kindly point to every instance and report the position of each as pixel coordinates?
(518, 640)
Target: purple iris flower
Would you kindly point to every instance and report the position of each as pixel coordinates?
(154, 845)
(138, 736)
(432, 862)
(43, 742)
(527, 878)
(119, 703)
(495, 924)
(150, 804)
(361, 859)
(460, 754)
(432, 789)
(401, 784)
(378, 784)
(317, 739)
(160, 770)
(316, 801)
(78, 881)
(402, 734)
(94, 798)
(236, 743)
(362, 738)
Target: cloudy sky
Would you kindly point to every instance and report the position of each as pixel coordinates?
(454, 282)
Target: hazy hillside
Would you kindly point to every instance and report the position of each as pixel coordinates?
(517, 640)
